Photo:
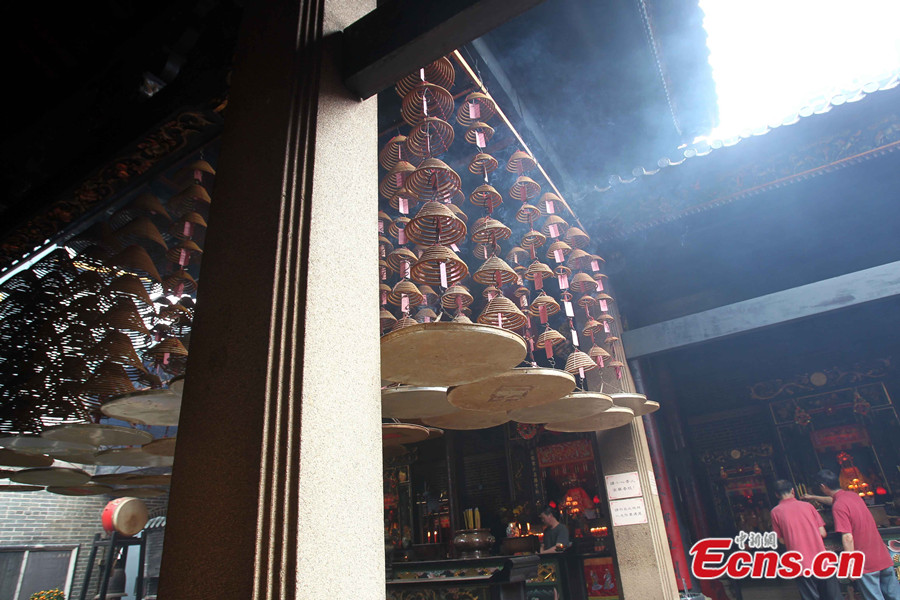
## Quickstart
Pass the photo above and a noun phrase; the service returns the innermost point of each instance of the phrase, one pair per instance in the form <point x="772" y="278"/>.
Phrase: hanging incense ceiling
<point x="527" y="250"/>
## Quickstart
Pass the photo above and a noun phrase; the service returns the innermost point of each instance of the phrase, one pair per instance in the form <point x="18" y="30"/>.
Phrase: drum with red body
<point x="125" y="515"/>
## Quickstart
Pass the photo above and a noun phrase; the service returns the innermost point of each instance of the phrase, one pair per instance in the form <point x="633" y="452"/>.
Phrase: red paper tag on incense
<point x="401" y="235"/>
<point x="618" y="372"/>
<point x="404" y="268"/>
<point x="479" y="139"/>
<point x="198" y="176"/>
<point x="538" y="281"/>
<point x="498" y="277"/>
<point x="542" y="310"/>
<point x="443" y="268"/>
<point x="380" y="226"/>
<point x="188" y="227"/>
<point x="427" y="319"/>
<point x="454" y="247"/>
<point x="523" y="301"/>
<point x="595" y="266"/>
<point x="500" y="320"/>
<point x="605" y="327"/>
<point x="515" y="259"/>
<point x="383" y="297"/>
<point x="550" y="207"/>
<point x="599" y="285"/>
<point x="570" y="312"/>
<point x="548" y="348"/>
<point x="491" y="296"/>
<point x="383" y="273"/>
<point x="179" y="289"/>
<point x="519" y="280"/>
<point x="165" y="358"/>
<point x="581" y="372"/>
<point x="404" y="303"/>
<point x="554" y="230"/>
<point x="403" y="206"/>
<point x="459" y="302"/>
<point x="600" y="361"/>
<point x="398" y="179"/>
<point x="603" y="306"/>
<point x="563" y="281"/>
<point x="381" y="250"/>
<point x="558" y="255"/>
<point x="574" y="338"/>
<point x="474" y="110"/>
<point x="183" y="257"/>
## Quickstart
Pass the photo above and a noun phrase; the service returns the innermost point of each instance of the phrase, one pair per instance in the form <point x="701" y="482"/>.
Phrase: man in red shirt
<point x="800" y="528"/>
<point x="859" y="532"/>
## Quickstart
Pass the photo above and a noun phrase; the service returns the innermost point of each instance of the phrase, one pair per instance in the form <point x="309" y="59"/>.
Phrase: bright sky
<point x="771" y="58"/>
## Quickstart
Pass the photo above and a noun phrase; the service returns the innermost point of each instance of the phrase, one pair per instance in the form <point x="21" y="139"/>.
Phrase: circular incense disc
<point x="113" y="479"/>
<point x="88" y="489"/>
<point x="638" y="403"/>
<point x="137" y="492"/>
<point x="410" y="402"/>
<point x="97" y="434"/>
<point x="33" y="444"/>
<point x="51" y="476"/>
<point x="21" y="488"/>
<point x="11" y="458"/>
<point x="160" y="447"/>
<point x="576" y="405"/>
<point x="81" y="458"/>
<point x="393" y="434"/>
<point x="518" y="388"/>
<point x="468" y="419"/>
<point x="149" y="480"/>
<point x="445" y="354"/>
<point x="132" y="457"/>
<point x="617" y="416"/>
<point x="147" y="407"/>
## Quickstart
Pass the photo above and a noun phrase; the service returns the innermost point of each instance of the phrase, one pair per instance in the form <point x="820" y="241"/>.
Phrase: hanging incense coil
<point x="610" y="340"/>
<point x="587" y="301"/>
<point x="579" y="259"/>
<point x="184" y="253"/>
<point x="193" y="198"/>
<point x="495" y="271"/>
<point x="479" y="133"/>
<point x="187" y="226"/>
<point x="598" y="354"/>
<point x="399" y="256"/>
<point x="440" y="72"/>
<point x="426" y="100"/>
<point x="434" y="180"/>
<point x="524" y="189"/>
<point x="171" y="346"/>
<point x="485" y="196"/>
<point x="109" y="379"/>
<point x="482" y="164"/>
<point x="428" y="268"/>
<point x="425" y="315"/>
<point x="599" y="277"/>
<point x="396" y="178"/>
<point x="458" y="212"/>
<point x="387" y="319"/>
<point x="456" y="297"/>
<point x="522" y="291"/>
<point x="592" y="328"/>
<point x="146" y="204"/>
<point x="551" y="200"/>
<point x="429" y="296"/>
<point x="124" y="316"/>
<point x="490" y="231"/>
<point x="579" y="360"/>
<point x="409" y="290"/>
<point x="562" y="271"/>
<point x="550" y="335"/>
<point x="517" y="255"/>
<point x="195" y="171"/>
<point x="385" y="247"/>
<point x="490" y="292"/>
<point x="520" y="162"/>
<point x="92" y="257"/>
<point x="430" y="137"/>
<point x="533" y="239"/>
<point x="584" y="283"/>
<point x="135" y="258"/>
<point x="577" y="238"/>
<point x="384" y="222"/>
<point x="139" y="230"/>
<point x="606" y="319"/>
<point x="403" y="196"/>
<point x="537" y="268"/>
<point x="404" y="322"/>
<point x="558" y="251"/>
<point x="554" y="223"/>
<point x="435" y="224"/>
<point x="476" y="107"/>
<point x="86" y="283"/>
<point x="501" y="312"/>
<point x="545" y="302"/>
<point x="603" y="297"/>
<point x="392" y="153"/>
<point x="398" y="224"/>
<point x="131" y="287"/>
<point x="527" y="213"/>
<point x="485" y="251"/>
<point x="180" y="282"/>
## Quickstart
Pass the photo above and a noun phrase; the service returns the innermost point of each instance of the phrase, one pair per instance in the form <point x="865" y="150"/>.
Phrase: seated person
<point x="555" y="533"/>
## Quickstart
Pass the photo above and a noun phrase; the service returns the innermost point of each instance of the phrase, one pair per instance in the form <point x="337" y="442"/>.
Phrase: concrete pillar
<point x="642" y="550"/>
<point x="276" y="489"/>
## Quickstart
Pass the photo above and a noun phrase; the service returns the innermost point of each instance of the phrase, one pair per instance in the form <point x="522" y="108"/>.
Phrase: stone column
<point x="276" y="489"/>
<point x="642" y="550"/>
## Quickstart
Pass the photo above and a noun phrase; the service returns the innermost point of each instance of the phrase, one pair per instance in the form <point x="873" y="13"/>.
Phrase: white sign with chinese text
<point x="630" y="511"/>
<point x="623" y="485"/>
